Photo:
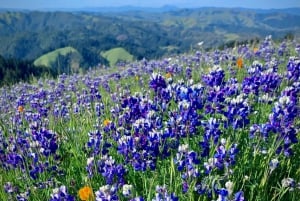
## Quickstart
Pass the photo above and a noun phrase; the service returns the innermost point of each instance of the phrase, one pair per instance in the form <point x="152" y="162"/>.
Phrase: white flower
<point x="127" y="190"/>
<point x="288" y="182"/>
<point x="200" y="43"/>
<point x="90" y="161"/>
<point x="229" y="187"/>
<point x="223" y="141"/>
<point x="183" y="148"/>
<point x="273" y="164"/>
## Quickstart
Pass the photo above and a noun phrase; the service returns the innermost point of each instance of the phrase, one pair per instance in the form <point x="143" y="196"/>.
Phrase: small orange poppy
<point x="86" y="193"/>
<point x="168" y="75"/>
<point x="106" y="122"/>
<point x="20" y="108"/>
<point x="255" y="50"/>
<point x="239" y="62"/>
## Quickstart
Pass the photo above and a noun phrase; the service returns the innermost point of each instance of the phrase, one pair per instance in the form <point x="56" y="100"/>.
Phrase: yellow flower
<point x="86" y="193"/>
<point x="255" y="50"/>
<point x="20" y="108"/>
<point x="239" y="62"/>
<point x="168" y="75"/>
<point x="106" y="122"/>
<point x="137" y="78"/>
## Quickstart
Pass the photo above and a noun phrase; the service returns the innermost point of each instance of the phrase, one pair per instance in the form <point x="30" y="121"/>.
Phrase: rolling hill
<point x="50" y="58"/>
<point x="117" y="54"/>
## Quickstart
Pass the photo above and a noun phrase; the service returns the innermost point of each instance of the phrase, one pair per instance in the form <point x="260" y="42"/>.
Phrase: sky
<point x="41" y="4"/>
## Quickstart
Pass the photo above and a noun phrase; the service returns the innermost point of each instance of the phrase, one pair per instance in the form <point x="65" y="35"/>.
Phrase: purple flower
<point x="9" y="188"/>
<point x="61" y="194"/>
<point x="107" y="193"/>
<point x="212" y="132"/>
<point x="239" y="196"/>
<point x="112" y="172"/>
<point x="222" y="194"/>
<point x="163" y="195"/>
<point x="293" y="70"/>
<point x="215" y="77"/>
<point x="270" y="81"/>
<point x="237" y="113"/>
<point x="137" y="199"/>
<point x="23" y="196"/>
<point x="96" y="144"/>
<point x="157" y="82"/>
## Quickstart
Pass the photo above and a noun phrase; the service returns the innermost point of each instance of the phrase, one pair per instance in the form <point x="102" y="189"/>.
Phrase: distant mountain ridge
<point x="165" y="8"/>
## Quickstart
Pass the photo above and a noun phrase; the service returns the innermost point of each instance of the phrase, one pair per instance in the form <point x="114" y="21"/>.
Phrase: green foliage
<point x="14" y="70"/>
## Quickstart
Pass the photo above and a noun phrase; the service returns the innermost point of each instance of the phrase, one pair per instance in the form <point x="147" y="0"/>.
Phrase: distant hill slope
<point x="117" y="54"/>
<point x="50" y="58"/>
<point x="62" y="60"/>
<point x="29" y="35"/>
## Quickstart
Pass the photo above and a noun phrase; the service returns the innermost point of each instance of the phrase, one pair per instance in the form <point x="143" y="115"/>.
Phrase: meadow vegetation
<point x="205" y="125"/>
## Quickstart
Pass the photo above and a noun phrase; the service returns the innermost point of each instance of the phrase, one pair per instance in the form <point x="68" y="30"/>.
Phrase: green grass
<point x="50" y="58"/>
<point x="117" y="54"/>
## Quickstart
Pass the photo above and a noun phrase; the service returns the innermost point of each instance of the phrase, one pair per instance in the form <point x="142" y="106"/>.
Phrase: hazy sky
<point x="36" y="4"/>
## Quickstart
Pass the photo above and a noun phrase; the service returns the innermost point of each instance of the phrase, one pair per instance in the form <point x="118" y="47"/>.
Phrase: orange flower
<point x="106" y="122"/>
<point x="255" y="50"/>
<point x="20" y="108"/>
<point x="239" y="62"/>
<point x="86" y="193"/>
<point x="168" y="75"/>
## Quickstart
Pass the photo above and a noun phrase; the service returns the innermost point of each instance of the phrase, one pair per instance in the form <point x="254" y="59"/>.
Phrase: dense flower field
<point x="219" y="125"/>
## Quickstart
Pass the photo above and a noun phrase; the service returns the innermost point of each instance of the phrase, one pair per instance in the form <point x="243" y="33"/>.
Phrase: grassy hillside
<point x="117" y="54"/>
<point x="50" y="58"/>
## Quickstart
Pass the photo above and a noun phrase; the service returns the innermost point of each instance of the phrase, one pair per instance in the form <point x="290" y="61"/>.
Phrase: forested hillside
<point x="31" y="35"/>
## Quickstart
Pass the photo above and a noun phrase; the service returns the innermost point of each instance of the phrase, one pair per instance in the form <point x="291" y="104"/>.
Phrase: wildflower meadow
<point x="218" y="125"/>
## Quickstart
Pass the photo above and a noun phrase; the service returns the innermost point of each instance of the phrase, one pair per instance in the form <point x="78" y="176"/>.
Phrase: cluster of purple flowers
<point x="261" y="79"/>
<point x="293" y="70"/>
<point x="281" y="120"/>
<point x="238" y="111"/>
<point x="112" y="172"/>
<point x="216" y="77"/>
<point x="187" y="162"/>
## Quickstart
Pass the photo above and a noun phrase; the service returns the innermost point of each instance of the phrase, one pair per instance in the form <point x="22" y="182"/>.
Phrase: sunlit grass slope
<point x="50" y="58"/>
<point x="117" y="54"/>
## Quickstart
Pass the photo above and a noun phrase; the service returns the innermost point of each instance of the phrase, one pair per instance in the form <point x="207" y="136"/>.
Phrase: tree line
<point x="15" y="70"/>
